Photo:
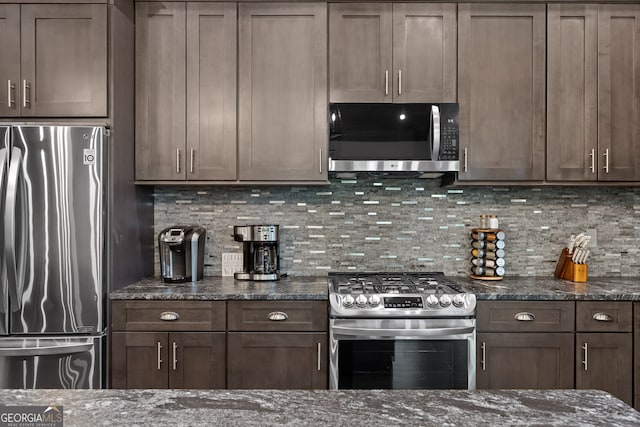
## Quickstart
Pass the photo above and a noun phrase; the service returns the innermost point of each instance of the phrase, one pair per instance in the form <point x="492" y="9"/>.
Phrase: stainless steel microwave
<point x="388" y="137"/>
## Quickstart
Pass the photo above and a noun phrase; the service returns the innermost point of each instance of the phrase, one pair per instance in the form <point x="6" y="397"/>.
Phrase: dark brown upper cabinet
<point x="400" y="52"/>
<point x="501" y="91"/>
<point x="186" y="91"/>
<point x="593" y="130"/>
<point x="54" y="60"/>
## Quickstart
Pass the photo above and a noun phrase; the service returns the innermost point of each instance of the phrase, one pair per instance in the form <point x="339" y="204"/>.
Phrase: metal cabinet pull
<point x="484" y="356"/>
<point x="159" y="356"/>
<point x="386" y="82"/>
<point x="603" y="317"/>
<point x="169" y="316"/>
<point x="585" y="361"/>
<point x="319" y="354"/>
<point x="593" y="160"/>
<point x="606" y="161"/>
<point x="399" y="82"/>
<point x="10" y="100"/>
<point x="466" y="164"/>
<point x="277" y="316"/>
<point x="321" y="160"/>
<point x="191" y="160"/>
<point x="177" y="160"/>
<point x="524" y="317"/>
<point x="175" y="355"/>
<point x="26" y="99"/>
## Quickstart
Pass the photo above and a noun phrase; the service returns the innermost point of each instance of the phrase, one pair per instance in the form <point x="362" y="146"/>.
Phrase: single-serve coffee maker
<point x="181" y="250"/>
<point x="260" y="250"/>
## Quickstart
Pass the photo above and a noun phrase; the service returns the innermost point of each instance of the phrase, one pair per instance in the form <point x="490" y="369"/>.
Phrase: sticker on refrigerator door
<point x="89" y="157"/>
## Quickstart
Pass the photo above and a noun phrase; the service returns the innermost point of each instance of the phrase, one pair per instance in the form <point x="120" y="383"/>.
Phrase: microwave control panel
<point x="449" y="139"/>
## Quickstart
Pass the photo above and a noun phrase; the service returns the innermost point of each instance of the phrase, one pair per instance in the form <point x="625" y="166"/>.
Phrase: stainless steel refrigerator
<point x="53" y="256"/>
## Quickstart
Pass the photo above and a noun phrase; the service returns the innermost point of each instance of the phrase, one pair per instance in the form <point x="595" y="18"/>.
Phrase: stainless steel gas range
<point x="400" y="331"/>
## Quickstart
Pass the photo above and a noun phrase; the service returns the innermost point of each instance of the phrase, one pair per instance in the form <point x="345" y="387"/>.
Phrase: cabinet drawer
<point x="191" y="315"/>
<point x="604" y="316"/>
<point x="293" y="316"/>
<point x="526" y="316"/>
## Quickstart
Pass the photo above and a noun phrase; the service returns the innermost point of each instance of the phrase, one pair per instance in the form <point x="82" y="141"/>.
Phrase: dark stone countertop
<point x="226" y="288"/>
<point x="330" y="407"/>
<point x="315" y="288"/>
<point x="549" y="288"/>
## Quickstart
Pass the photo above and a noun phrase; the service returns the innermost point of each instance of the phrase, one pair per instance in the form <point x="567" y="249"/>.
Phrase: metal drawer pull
<point x="484" y="356"/>
<point x="525" y="317"/>
<point x="159" y="356"/>
<point x="603" y="317"/>
<point x="606" y="161"/>
<point x="386" y="82"/>
<point x="26" y="99"/>
<point x="319" y="354"/>
<point x="169" y="316"/>
<point x="175" y="355"/>
<point x="277" y="316"/>
<point x="585" y="362"/>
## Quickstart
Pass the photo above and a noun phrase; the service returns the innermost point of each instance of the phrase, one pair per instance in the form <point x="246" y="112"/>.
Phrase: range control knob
<point x="347" y="301"/>
<point x="458" y="300"/>
<point x="374" y="300"/>
<point x="432" y="301"/>
<point x="361" y="301"/>
<point x="445" y="300"/>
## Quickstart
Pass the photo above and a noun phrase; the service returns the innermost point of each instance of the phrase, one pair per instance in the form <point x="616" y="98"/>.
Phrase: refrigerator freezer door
<point x="5" y="135"/>
<point x="60" y="257"/>
<point x="56" y="362"/>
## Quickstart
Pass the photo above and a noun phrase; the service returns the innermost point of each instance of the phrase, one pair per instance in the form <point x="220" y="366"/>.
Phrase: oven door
<point x="402" y="354"/>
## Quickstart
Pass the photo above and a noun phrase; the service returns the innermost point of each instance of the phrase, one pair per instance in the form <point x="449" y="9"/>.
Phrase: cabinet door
<point x="211" y="91"/>
<point x="282" y="91"/>
<point x="636" y="354"/>
<point x="525" y="360"/>
<point x="424" y="52"/>
<point x="160" y="91"/>
<point x="197" y="360"/>
<point x="139" y="360"/>
<point x="572" y="90"/>
<point x="277" y="360"/>
<point x="64" y="60"/>
<point x="604" y="362"/>
<point x="501" y="90"/>
<point x="619" y="92"/>
<point x="360" y="43"/>
<point x="10" y="63"/>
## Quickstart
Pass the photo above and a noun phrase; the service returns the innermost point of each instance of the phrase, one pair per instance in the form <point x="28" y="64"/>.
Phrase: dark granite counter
<point x="226" y="288"/>
<point x="330" y="408"/>
<point x="315" y="288"/>
<point x="548" y="288"/>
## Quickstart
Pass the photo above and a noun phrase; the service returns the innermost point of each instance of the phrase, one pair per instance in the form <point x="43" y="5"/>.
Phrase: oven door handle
<point x="380" y="332"/>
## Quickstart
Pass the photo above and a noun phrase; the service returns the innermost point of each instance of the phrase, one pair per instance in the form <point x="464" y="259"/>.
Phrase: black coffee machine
<point x="181" y="249"/>
<point x="261" y="252"/>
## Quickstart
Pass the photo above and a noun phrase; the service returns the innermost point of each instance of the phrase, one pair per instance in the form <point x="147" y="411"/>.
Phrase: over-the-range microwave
<point x="388" y="137"/>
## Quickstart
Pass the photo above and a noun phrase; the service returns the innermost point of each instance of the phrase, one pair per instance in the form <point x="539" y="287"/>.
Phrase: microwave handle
<point x="434" y="134"/>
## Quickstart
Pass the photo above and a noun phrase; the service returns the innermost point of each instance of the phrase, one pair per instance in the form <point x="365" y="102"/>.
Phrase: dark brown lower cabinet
<point x="604" y="362"/>
<point x="277" y="360"/>
<point x="168" y="360"/>
<point x="636" y="354"/>
<point x="535" y="360"/>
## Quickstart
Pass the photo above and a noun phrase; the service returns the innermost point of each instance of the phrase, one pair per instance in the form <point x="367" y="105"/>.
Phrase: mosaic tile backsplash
<point x="410" y="224"/>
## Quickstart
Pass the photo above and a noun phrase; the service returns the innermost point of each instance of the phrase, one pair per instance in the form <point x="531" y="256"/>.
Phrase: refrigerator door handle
<point x="46" y="350"/>
<point x="3" y="280"/>
<point x="15" y="265"/>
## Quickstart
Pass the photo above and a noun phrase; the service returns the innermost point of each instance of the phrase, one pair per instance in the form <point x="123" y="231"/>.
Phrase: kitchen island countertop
<point x="315" y="288"/>
<point x="349" y="407"/>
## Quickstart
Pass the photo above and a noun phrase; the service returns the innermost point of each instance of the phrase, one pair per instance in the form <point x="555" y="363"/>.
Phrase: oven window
<point x="403" y="364"/>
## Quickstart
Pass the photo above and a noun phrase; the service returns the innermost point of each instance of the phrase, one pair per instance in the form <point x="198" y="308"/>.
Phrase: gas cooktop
<point x="420" y="294"/>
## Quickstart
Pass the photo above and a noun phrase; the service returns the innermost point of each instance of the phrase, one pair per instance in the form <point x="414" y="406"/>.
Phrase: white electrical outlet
<point x="231" y="263"/>
<point x="593" y="232"/>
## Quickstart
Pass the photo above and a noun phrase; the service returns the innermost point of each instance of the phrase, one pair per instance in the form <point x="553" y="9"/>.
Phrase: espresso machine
<point x="181" y="250"/>
<point x="261" y="252"/>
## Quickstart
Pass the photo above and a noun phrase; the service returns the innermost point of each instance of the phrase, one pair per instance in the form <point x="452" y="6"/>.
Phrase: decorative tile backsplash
<point x="410" y="224"/>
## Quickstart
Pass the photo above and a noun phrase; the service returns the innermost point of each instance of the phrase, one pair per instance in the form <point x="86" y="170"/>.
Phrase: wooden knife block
<point x="568" y="270"/>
